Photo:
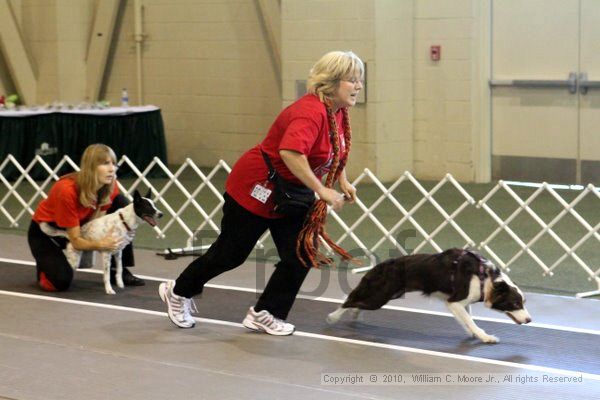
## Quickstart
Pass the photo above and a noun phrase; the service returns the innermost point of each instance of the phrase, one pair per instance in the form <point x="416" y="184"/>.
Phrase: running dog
<point x="460" y="277"/>
<point x="121" y="224"/>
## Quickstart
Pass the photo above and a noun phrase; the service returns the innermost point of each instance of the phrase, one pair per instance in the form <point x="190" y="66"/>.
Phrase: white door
<point x="589" y="122"/>
<point x="542" y="119"/>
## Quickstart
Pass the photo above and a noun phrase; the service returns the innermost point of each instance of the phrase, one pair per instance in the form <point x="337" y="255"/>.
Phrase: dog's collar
<point x="124" y="223"/>
<point x="481" y="271"/>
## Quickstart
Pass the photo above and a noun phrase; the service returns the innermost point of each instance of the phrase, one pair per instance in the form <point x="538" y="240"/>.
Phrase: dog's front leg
<point x="119" y="271"/>
<point x="106" y="269"/>
<point x="357" y="314"/>
<point x="73" y="256"/>
<point x="335" y="316"/>
<point x="464" y="318"/>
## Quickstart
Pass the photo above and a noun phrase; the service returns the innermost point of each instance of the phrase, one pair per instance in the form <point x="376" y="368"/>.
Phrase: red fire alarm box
<point x="435" y="52"/>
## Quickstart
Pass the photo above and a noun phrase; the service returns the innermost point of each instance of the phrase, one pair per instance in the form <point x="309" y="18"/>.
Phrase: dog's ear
<point x="136" y="196"/>
<point x="499" y="290"/>
<point x="148" y="194"/>
<point x="501" y="286"/>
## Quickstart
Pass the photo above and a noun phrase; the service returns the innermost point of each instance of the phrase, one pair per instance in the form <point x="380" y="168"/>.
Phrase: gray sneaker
<point x="265" y="321"/>
<point x="179" y="308"/>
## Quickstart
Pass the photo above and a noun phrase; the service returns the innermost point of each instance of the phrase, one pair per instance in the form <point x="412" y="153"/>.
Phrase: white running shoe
<point x="265" y="321"/>
<point x="179" y="308"/>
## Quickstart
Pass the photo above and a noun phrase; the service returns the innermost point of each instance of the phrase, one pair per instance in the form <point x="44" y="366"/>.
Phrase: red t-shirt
<point x="302" y="127"/>
<point x="63" y="207"/>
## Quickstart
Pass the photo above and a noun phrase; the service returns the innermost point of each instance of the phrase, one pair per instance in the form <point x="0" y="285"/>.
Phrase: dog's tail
<point x="52" y="231"/>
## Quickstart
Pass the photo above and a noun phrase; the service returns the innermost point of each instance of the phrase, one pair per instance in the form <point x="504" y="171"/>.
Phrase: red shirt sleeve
<point x="300" y="136"/>
<point x="66" y="213"/>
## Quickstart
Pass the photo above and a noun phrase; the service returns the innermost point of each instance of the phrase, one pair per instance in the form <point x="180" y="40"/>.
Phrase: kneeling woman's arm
<point x="80" y="243"/>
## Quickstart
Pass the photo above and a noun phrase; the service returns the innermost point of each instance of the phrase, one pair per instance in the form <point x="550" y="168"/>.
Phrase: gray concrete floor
<point x="61" y="350"/>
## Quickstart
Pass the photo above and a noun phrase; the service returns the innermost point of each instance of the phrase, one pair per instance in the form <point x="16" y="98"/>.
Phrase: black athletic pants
<point x="240" y="230"/>
<point x="49" y="256"/>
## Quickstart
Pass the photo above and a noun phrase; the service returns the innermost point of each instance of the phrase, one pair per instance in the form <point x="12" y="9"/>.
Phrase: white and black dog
<point x="121" y="224"/>
<point x="460" y="277"/>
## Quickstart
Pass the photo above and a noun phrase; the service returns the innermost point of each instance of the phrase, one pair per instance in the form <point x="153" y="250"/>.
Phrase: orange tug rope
<point x="307" y="246"/>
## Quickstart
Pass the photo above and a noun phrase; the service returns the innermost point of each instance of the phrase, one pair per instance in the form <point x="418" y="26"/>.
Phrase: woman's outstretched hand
<point x="332" y="197"/>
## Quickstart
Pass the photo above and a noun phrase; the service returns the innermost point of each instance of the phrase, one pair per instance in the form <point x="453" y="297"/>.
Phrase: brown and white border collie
<point x="460" y="277"/>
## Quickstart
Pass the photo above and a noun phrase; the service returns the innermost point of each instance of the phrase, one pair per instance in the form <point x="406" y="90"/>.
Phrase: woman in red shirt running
<point x="307" y="140"/>
<point x="72" y="201"/>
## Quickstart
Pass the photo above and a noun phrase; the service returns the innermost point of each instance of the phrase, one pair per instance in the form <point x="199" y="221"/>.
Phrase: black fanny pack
<point x="289" y="199"/>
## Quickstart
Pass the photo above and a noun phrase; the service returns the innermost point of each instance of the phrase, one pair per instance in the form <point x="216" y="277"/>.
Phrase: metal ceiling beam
<point x="16" y="56"/>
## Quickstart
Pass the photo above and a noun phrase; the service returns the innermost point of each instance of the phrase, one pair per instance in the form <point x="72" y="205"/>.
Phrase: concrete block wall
<point x="207" y="65"/>
<point x="74" y="19"/>
<point x="36" y="21"/>
<point x="309" y="29"/>
<point x="443" y="89"/>
<point x="380" y="32"/>
<point x="390" y="102"/>
<point x="56" y="33"/>
<point x="39" y="30"/>
<point x="7" y="85"/>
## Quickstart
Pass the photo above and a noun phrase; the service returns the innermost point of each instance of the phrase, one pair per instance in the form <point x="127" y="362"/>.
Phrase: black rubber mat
<point x="519" y="344"/>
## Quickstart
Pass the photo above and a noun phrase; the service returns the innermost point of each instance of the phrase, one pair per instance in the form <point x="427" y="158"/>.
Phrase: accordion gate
<point x="206" y="200"/>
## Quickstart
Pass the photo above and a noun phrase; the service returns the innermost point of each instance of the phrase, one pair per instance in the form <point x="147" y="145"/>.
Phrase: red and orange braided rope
<point x="307" y="246"/>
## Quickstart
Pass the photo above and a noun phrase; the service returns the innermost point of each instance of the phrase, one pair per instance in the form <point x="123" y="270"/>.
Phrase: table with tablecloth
<point x="136" y="132"/>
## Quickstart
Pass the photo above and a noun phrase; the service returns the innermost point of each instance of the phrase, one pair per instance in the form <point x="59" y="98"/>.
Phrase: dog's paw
<point x="357" y="315"/>
<point x="485" y="338"/>
<point x="120" y="283"/>
<point x="335" y="316"/>
<point x="110" y="291"/>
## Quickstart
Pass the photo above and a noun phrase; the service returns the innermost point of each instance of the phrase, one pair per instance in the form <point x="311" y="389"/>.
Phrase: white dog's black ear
<point x="148" y="194"/>
<point x="136" y="195"/>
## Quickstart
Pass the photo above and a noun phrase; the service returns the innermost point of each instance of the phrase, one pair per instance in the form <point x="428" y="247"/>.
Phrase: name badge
<point x="261" y="193"/>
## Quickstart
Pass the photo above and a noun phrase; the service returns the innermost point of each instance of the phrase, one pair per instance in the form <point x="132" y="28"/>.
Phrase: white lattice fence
<point x="567" y="208"/>
<point x="442" y="225"/>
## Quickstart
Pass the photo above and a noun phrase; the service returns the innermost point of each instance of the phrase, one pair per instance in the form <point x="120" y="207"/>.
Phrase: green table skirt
<point x="139" y="136"/>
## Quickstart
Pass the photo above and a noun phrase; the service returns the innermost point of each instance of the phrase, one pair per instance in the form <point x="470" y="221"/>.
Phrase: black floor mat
<point x="518" y="344"/>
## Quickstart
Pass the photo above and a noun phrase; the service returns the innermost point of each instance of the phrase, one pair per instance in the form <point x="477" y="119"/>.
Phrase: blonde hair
<point x="87" y="177"/>
<point x="325" y="76"/>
